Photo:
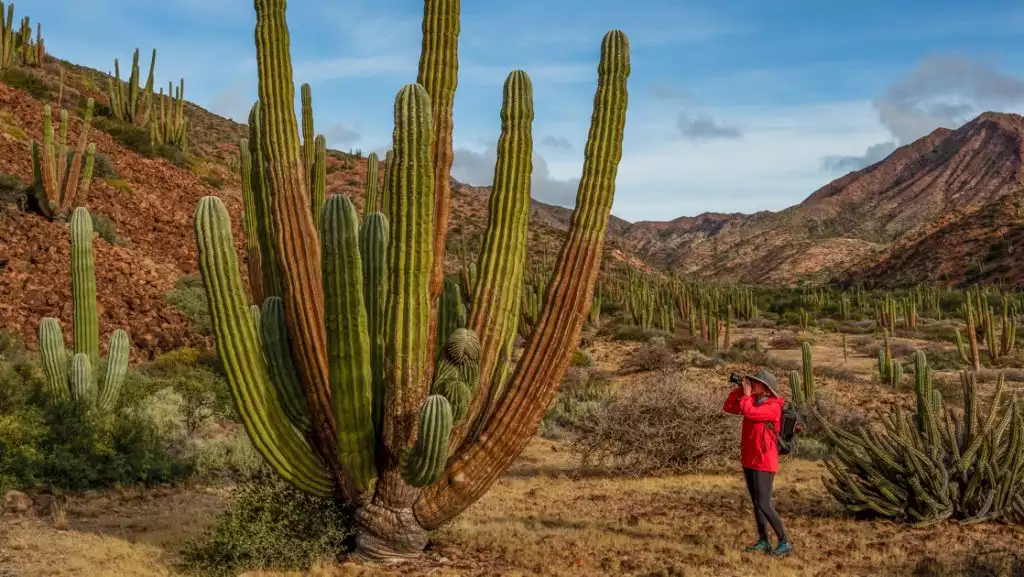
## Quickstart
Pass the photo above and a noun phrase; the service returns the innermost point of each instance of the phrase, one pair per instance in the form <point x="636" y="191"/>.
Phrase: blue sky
<point x="734" y="106"/>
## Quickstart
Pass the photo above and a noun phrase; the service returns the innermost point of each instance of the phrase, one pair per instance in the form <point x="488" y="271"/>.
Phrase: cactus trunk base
<point x="384" y="534"/>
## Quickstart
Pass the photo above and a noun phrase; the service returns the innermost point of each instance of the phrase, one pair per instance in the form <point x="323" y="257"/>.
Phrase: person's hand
<point x="746" y="387"/>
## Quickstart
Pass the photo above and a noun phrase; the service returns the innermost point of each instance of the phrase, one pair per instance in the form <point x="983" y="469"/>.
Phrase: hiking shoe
<point x="783" y="549"/>
<point x="761" y="545"/>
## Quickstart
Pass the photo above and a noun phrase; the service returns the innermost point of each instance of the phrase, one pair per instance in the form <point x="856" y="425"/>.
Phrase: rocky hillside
<point x="866" y="224"/>
<point x="143" y="201"/>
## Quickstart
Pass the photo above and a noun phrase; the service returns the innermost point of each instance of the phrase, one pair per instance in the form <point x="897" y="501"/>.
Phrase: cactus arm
<point x="237" y="346"/>
<point x="117" y="368"/>
<point x="297" y="246"/>
<point x="424" y="462"/>
<point x="538" y="374"/>
<point x="262" y="201"/>
<point x="83" y="287"/>
<point x="319" y="178"/>
<point x="439" y="75"/>
<point x="389" y="167"/>
<point x="54" y="357"/>
<point x="83" y="389"/>
<point x="371" y="185"/>
<point x="373" y="245"/>
<point x="308" y="138"/>
<point x="274" y="338"/>
<point x="70" y="192"/>
<point x="348" y="345"/>
<point x="410" y="255"/>
<point x="495" y="311"/>
<point x="250" y="224"/>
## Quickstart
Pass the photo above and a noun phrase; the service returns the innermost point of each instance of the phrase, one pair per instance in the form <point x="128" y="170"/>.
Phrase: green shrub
<point x="213" y="181"/>
<point x="271" y="525"/>
<point x="580" y="358"/>
<point x="27" y="81"/>
<point x="107" y="229"/>
<point x="188" y="296"/>
<point x="352" y="181"/>
<point x="102" y="168"/>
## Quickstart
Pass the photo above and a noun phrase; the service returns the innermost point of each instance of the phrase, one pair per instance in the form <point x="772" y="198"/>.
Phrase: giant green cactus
<point x="407" y="422"/>
<point x="371" y="186"/>
<point x="80" y="381"/>
<point x="58" y="182"/>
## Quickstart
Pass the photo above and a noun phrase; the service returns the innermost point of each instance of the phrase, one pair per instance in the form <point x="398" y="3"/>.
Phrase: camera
<point x="735" y="379"/>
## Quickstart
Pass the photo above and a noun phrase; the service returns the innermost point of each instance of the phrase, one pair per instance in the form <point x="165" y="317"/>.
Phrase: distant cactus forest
<point x="369" y="381"/>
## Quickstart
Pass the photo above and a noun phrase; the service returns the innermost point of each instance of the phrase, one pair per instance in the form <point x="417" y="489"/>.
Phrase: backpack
<point x="786" y="441"/>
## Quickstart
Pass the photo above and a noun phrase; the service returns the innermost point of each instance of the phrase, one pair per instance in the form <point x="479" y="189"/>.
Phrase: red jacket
<point x="759" y="448"/>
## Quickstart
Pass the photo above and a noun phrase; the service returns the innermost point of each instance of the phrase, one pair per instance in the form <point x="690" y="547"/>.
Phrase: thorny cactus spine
<point x="393" y="520"/>
<point x="80" y="382"/>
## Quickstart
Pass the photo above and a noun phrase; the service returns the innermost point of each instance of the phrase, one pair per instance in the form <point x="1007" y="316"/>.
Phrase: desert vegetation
<point x="346" y="360"/>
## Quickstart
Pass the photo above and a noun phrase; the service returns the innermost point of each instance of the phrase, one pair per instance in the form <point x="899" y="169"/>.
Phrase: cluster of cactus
<point x="890" y="372"/>
<point x="168" y="125"/>
<point x="128" y="102"/>
<point x="934" y="464"/>
<point x="78" y="379"/>
<point x="59" y="180"/>
<point x="999" y="342"/>
<point x="383" y="427"/>
<point x="16" y="44"/>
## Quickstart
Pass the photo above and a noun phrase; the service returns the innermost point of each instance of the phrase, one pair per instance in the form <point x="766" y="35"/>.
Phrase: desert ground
<point x="548" y="516"/>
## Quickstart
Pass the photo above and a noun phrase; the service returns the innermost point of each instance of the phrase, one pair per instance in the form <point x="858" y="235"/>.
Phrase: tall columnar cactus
<point x="448" y="425"/>
<point x="79" y="382"/>
<point x="169" y="126"/>
<point x="60" y="182"/>
<point x="371" y="186"/>
<point x="128" y="101"/>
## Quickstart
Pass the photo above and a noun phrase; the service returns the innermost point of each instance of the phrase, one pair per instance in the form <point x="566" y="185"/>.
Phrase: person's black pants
<point x="759" y="484"/>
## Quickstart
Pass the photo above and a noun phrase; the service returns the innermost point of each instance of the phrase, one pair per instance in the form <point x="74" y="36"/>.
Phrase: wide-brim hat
<point x="770" y="381"/>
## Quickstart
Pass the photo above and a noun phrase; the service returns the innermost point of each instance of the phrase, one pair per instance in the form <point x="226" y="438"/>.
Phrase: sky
<point x="735" y="106"/>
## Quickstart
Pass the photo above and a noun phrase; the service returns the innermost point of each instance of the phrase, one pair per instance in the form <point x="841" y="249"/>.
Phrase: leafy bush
<point x="271" y="525"/>
<point x="172" y="422"/>
<point x="68" y="446"/>
<point x="671" y="424"/>
<point x="190" y="297"/>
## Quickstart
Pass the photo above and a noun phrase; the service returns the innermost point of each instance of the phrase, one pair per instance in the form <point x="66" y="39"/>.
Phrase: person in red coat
<point x="757" y="399"/>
